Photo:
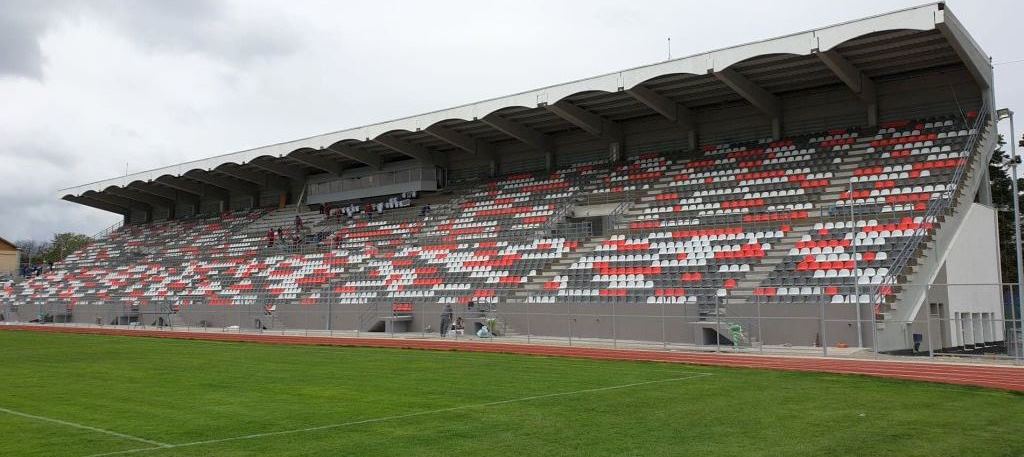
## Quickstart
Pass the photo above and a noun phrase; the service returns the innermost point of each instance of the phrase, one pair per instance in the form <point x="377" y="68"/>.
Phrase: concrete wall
<point x="965" y="283"/>
<point x="394" y="178"/>
<point x="920" y="95"/>
<point x="603" y="209"/>
<point x="775" y="324"/>
<point x="772" y="324"/>
<point x="972" y="269"/>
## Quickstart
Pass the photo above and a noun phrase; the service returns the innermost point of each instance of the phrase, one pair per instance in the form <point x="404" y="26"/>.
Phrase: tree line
<point x="999" y="169"/>
<point x="35" y="252"/>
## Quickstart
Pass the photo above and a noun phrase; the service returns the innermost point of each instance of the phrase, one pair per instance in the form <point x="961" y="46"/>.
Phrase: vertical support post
<point x="614" y="151"/>
<point x="495" y="167"/>
<point x="974" y="336"/>
<point x="928" y="330"/>
<point x="856" y="274"/>
<point x="1019" y="335"/>
<point x="821" y="330"/>
<point x="664" y="335"/>
<point x="1016" y="221"/>
<point x="568" y="319"/>
<point x="529" y="330"/>
<point x="760" y="333"/>
<point x="615" y="336"/>
<point x="872" y="109"/>
<point x="1012" y="337"/>
<point x="875" y="298"/>
<point x="718" y="324"/>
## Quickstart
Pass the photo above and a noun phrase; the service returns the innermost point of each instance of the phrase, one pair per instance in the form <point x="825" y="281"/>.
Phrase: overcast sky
<point x="90" y="87"/>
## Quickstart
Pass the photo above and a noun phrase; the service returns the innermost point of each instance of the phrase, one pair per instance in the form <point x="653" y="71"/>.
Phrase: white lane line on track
<point x="401" y="416"/>
<point x="85" y="427"/>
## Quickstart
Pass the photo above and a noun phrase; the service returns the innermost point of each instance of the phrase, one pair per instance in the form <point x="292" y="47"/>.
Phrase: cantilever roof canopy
<point x="852" y="53"/>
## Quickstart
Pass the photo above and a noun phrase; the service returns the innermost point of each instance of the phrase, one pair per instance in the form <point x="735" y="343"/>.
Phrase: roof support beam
<point x="280" y="169"/>
<point x="522" y="133"/>
<point x="462" y="141"/>
<point x="424" y="155"/>
<point x="466" y="143"/>
<point x="97" y="204"/>
<point x="142" y="198"/>
<point x="978" y="64"/>
<point x="761" y="99"/>
<point x="161" y="191"/>
<point x="529" y="136"/>
<point x="231" y="188"/>
<point x="680" y="115"/>
<point x="318" y="162"/>
<point x="121" y="202"/>
<point x="665" y="106"/>
<point x="242" y="174"/>
<point x="855" y="79"/>
<point x="228" y="184"/>
<point x="257" y="178"/>
<point x="591" y="123"/>
<point x="199" y="190"/>
<point x="370" y="159"/>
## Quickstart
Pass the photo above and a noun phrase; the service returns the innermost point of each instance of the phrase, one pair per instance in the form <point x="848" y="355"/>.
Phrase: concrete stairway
<point x="839" y="183"/>
<point x="744" y="290"/>
<point x="927" y="258"/>
<point x="536" y="283"/>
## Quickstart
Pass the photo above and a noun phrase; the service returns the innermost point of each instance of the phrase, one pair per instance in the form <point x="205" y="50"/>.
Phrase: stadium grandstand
<point x="799" y="191"/>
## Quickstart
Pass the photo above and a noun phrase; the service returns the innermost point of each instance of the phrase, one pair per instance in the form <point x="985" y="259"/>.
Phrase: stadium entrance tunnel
<point x="377" y="327"/>
<point x="391" y="324"/>
<point x="598" y="219"/>
<point x="711" y="337"/>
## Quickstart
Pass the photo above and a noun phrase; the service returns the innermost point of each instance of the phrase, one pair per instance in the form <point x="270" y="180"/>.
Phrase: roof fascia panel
<point x="922" y="17"/>
<point x="978" y="64"/>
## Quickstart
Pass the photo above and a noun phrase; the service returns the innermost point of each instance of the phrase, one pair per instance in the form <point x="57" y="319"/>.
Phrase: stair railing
<point x="935" y="208"/>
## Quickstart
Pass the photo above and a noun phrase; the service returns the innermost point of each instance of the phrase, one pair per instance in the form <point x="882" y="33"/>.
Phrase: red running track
<point x="991" y="376"/>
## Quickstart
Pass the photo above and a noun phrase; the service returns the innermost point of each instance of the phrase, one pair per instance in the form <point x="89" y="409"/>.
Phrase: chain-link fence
<point x="963" y="321"/>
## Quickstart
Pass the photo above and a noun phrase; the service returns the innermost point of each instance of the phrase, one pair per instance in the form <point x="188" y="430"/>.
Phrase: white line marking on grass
<point x="403" y="416"/>
<point x="86" y="427"/>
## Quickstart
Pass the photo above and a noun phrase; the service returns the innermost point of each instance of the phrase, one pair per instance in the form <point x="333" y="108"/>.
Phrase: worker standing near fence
<point x="446" y="320"/>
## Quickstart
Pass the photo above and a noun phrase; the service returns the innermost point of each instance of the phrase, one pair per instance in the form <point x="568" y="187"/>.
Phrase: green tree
<point x="32" y="251"/>
<point x="1002" y="198"/>
<point x="64" y="244"/>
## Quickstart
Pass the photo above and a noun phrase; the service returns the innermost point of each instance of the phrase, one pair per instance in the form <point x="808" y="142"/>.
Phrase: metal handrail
<point x="601" y="198"/>
<point x="935" y="207"/>
<point x="107" y="231"/>
<point x="715" y="221"/>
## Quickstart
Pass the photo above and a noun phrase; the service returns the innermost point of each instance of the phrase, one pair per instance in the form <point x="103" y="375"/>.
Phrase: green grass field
<point x="78" y="395"/>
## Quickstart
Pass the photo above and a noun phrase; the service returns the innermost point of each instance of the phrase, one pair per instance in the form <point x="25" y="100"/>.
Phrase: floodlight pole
<point x="1006" y="113"/>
